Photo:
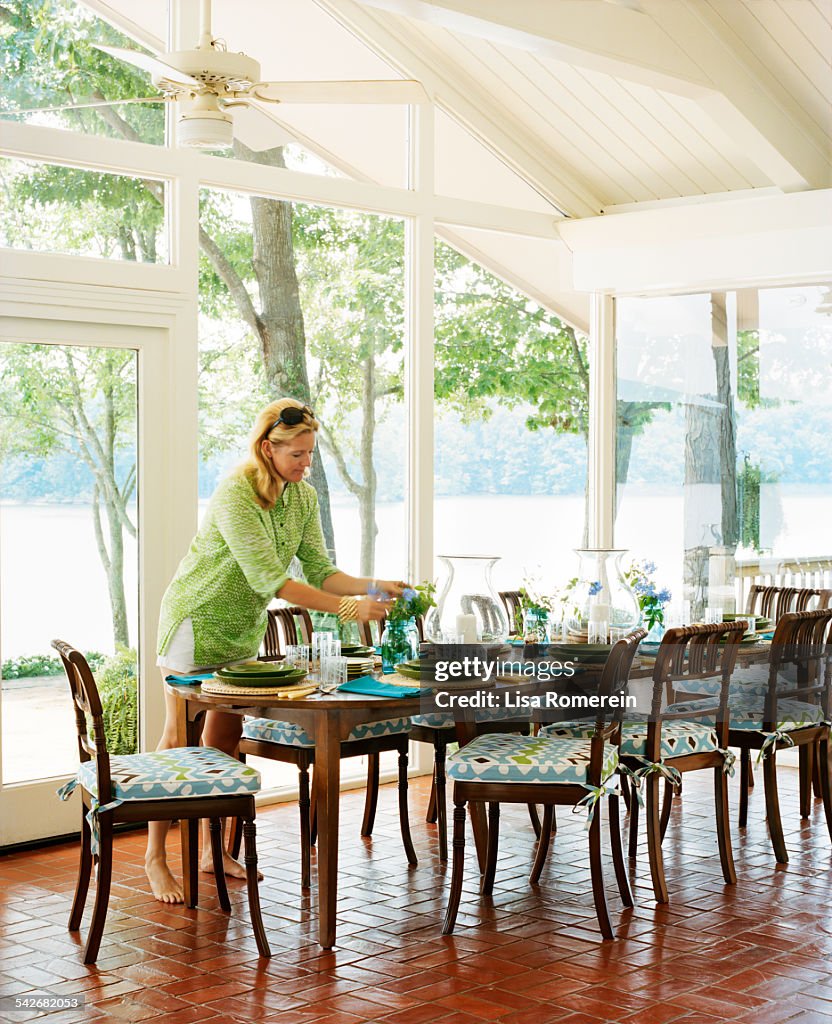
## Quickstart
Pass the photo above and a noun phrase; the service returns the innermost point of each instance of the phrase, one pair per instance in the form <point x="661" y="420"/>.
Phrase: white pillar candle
<point x="599" y="613"/>
<point x="466" y="626"/>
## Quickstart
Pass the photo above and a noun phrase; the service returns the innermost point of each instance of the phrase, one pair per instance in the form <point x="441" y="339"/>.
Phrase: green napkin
<point x="372" y="687"/>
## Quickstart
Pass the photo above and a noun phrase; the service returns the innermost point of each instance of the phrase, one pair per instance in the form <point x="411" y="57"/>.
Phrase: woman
<point x="214" y="611"/>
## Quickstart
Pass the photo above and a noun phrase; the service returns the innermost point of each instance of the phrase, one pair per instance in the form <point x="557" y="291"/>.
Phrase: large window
<point x="68" y="547"/>
<point x="49" y="57"/>
<point x="510" y="434"/>
<point x="723" y="400"/>
<point x="81" y="212"/>
<point x="308" y="301"/>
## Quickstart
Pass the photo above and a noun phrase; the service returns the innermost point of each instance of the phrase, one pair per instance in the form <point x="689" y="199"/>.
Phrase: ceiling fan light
<point x="204" y="126"/>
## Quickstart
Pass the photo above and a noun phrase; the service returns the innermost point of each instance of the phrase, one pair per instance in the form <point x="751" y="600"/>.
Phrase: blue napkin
<point x="372" y="687"/>
<point x="767" y="636"/>
<point x="188" y="680"/>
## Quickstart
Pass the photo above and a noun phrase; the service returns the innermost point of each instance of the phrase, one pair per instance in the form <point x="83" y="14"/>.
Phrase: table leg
<point x="328" y="786"/>
<point x="465" y="732"/>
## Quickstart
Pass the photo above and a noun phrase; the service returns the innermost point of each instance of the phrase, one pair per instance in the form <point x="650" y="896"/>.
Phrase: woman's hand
<point x="393" y="588"/>
<point x="369" y="610"/>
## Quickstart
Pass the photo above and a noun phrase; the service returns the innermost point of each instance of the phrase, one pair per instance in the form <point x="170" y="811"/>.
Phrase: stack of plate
<point x="261" y="673"/>
<point x="361" y="665"/>
<point x="357" y="651"/>
<point x="762" y="625"/>
<point x="581" y="652"/>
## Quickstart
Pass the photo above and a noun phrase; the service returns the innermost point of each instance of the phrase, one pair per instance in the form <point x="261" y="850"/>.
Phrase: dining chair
<point x="291" y="744"/>
<point x="187" y="783"/>
<point x="788" y="713"/>
<point x="500" y="768"/>
<point x="286" y="626"/>
<point x="513" y="604"/>
<point x="439" y="730"/>
<point x="670" y="742"/>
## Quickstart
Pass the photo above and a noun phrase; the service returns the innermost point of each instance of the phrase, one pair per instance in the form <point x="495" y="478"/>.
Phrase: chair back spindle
<point x="87" y="704"/>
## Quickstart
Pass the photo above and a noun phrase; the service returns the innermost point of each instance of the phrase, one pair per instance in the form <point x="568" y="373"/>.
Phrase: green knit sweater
<point x="236" y="564"/>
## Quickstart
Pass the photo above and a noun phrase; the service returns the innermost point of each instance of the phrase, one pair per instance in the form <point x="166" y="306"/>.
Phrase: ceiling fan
<point x="208" y="82"/>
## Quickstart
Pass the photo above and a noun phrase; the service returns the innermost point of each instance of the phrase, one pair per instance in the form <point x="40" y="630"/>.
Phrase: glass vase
<point x="602" y="595"/>
<point x="399" y="642"/>
<point x="468" y="607"/>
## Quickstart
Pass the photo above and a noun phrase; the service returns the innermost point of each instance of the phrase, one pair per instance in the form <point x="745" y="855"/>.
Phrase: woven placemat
<point x="217" y="686"/>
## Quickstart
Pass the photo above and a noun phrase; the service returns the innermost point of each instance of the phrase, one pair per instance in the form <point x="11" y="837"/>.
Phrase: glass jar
<point x="399" y="642"/>
<point x="601" y="595"/>
<point x="535" y="625"/>
<point x="468" y="606"/>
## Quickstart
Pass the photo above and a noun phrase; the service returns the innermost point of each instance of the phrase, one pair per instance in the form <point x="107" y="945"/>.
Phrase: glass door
<point x="69" y="541"/>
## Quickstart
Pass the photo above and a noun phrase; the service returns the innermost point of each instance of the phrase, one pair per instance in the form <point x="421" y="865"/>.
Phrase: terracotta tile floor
<point x="761" y="952"/>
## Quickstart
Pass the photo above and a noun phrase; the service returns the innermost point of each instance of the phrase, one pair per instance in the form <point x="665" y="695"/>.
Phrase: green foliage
<point x="47" y="58"/>
<point x="30" y="666"/>
<point x="414" y="601"/>
<point x="495" y="346"/>
<point x="117" y="685"/>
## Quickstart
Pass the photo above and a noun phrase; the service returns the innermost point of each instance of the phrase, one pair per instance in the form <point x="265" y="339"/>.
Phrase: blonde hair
<point x="260" y="471"/>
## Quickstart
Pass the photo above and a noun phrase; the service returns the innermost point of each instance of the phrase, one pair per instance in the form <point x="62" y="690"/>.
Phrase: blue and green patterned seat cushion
<point x="747" y="713"/>
<point x="445" y="719"/>
<point x="181" y="772"/>
<point x="504" y="757"/>
<point x="289" y="735"/>
<point x="748" y="681"/>
<point x="677" y="738"/>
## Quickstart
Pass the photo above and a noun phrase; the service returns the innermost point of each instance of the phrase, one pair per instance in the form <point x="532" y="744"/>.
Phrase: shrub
<point x="31" y="665"/>
<point x="118" y="688"/>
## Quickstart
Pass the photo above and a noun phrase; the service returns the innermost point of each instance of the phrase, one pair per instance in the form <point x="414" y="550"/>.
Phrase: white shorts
<point x="179" y="656"/>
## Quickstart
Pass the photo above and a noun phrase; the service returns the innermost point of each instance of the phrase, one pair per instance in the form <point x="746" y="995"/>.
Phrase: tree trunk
<point x="281" y="327"/>
<point x="710" y="471"/>
<point x="367" y="497"/>
<point x="115" y="578"/>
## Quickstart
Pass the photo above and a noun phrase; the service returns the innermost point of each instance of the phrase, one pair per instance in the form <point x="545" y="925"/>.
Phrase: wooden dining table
<point x="329" y="719"/>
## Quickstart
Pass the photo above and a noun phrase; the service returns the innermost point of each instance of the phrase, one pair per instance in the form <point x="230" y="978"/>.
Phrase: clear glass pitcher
<point x="468" y="608"/>
<point x="601" y="597"/>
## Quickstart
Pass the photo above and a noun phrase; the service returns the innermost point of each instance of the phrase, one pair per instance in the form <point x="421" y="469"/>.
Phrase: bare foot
<point x="233" y="868"/>
<point x="165" y="887"/>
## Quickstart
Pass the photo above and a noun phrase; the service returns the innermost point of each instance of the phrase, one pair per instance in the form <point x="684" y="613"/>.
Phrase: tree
<point x="81" y="401"/>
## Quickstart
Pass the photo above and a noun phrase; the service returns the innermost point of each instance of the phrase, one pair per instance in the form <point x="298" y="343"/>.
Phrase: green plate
<point x="270" y="672"/>
<point x="356" y="650"/>
<point x="258" y="668"/>
<point x="760" y="622"/>
<point x="290" y="678"/>
<point x="580" y="652"/>
<point x="412" y="670"/>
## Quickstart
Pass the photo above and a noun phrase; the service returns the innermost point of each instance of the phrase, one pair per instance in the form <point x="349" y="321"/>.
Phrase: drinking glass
<point x="325" y="645"/>
<point x="297" y="655"/>
<point x="713" y="614"/>
<point x="618" y="633"/>
<point x="597" y="632"/>
<point x="333" y="672"/>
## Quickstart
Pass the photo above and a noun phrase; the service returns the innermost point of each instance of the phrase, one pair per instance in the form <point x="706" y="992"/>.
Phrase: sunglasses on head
<point x="292" y="416"/>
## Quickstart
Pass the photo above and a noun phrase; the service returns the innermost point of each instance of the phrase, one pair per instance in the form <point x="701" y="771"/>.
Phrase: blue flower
<point x="664" y="596"/>
<point x="648" y="568"/>
<point x="408" y="593"/>
<point x="594" y="588"/>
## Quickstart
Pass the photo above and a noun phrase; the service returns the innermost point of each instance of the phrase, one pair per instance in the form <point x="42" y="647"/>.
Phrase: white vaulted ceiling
<point x="574" y="107"/>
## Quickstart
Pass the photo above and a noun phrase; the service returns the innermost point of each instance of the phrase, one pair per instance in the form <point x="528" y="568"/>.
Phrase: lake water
<point x="52" y="583"/>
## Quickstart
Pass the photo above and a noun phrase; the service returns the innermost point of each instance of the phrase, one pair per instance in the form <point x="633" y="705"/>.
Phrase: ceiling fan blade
<point x="393" y="91"/>
<point x="83" y="106"/>
<point x="155" y="67"/>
